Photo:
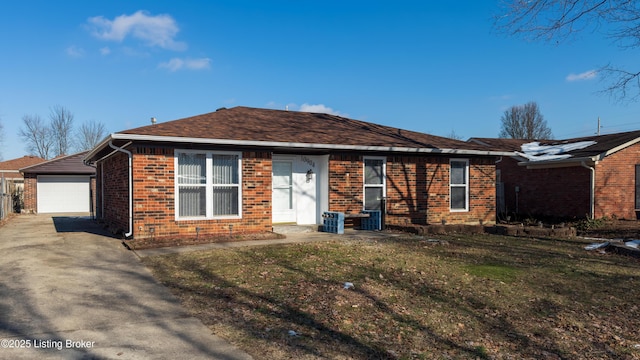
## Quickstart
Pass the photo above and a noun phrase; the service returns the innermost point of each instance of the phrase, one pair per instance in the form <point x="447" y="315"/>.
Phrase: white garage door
<point x="63" y="193"/>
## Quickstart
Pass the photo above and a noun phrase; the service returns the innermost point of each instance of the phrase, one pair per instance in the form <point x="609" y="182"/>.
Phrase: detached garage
<point x="62" y="185"/>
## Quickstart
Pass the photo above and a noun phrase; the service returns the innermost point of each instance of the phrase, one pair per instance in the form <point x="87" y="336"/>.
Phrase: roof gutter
<point x="558" y="163"/>
<point x="104" y="143"/>
<point x="120" y="149"/>
<point x="191" y="140"/>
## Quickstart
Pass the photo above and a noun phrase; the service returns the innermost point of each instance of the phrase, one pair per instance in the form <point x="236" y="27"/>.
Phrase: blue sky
<point x="429" y="66"/>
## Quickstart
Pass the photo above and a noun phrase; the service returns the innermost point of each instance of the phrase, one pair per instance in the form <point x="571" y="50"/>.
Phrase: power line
<point x="602" y="129"/>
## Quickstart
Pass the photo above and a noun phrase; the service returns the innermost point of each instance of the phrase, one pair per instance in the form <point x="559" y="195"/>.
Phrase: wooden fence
<point x="9" y="197"/>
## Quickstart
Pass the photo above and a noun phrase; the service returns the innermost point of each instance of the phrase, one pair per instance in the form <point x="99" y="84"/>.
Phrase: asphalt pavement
<point x="70" y="291"/>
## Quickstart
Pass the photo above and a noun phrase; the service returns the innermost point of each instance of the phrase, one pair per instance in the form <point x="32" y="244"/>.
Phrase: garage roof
<point x="70" y="164"/>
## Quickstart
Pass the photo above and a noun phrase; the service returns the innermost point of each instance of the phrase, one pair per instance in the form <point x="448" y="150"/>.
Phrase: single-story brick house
<point x="587" y="177"/>
<point x="10" y="169"/>
<point x="241" y="170"/>
<point x="12" y="183"/>
<point x="64" y="184"/>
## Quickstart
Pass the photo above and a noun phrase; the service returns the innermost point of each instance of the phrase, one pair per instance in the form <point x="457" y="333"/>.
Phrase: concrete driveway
<point x="69" y="291"/>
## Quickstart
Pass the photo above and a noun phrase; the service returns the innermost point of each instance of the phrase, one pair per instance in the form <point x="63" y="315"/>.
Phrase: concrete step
<point x="293" y="228"/>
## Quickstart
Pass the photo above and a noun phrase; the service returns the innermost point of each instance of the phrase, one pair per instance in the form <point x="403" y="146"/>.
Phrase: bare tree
<point x="556" y="21"/>
<point x="453" y="135"/>
<point x="36" y="136"/>
<point x="61" y="129"/>
<point x="89" y="135"/>
<point x="524" y="122"/>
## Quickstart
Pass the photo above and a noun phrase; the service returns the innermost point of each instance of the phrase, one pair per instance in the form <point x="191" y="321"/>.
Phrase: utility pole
<point x="598" y="132"/>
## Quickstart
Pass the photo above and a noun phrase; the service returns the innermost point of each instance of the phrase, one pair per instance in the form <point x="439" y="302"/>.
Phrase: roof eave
<point x="547" y="164"/>
<point x="618" y="148"/>
<point x="104" y="143"/>
<point x="178" y="139"/>
<point x="22" y="169"/>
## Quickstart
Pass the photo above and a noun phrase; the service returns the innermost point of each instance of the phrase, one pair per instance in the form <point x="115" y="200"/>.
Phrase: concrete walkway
<point x="292" y="236"/>
<point x="69" y="291"/>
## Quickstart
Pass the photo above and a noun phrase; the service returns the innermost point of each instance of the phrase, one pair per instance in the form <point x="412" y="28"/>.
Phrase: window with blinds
<point x="226" y="187"/>
<point x="207" y="184"/>
<point x="459" y="185"/>
<point x="192" y="185"/>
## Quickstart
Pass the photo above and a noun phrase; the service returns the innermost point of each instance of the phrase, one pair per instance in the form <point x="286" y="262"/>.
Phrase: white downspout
<point x="592" y="191"/>
<point x="102" y="190"/>
<point x="130" y="186"/>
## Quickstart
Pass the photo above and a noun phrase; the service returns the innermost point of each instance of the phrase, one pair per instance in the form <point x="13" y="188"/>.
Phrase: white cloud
<point x="176" y="64"/>
<point x="158" y="30"/>
<point x="74" y="51"/>
<point x="320" y="108"/>
<point x="105" y="50"/>
<point x="587" y="75"/>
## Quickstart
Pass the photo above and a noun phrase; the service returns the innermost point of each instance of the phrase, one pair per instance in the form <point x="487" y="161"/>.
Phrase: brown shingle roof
<point x="70" y="164"/>
<point x="603" y="143"/>
<point x="19" y="163"/>
<point x="501" y="144"/>
<point x="9" y="168"/>
<point x="265" y="125"/>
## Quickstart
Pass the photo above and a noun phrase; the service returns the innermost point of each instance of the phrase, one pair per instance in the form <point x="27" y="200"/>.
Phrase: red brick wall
<point x="407" y="190"/>
<point x="565" y="192"/>
<point x="346" y="183"/>
<point x="417" y="189"/>
<point x="154" y="196"/>
<point x="92" y="184"/>
<point x="482" y="192"/>
<point x="417" y="192"/>
<point x="153" y="192"/>
<point x="30" y="193"/>
<point x="113" y="197"/>
<point x="615" y="184"/>
<point x="555" y="192"/>
<point x="482" y="197"/>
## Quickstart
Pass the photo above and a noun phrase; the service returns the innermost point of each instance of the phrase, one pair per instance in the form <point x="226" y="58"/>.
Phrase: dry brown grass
<point x="485" y="297"/>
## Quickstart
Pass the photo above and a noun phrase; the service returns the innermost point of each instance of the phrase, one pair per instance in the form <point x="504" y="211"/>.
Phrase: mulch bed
<point x="614" y="229"/>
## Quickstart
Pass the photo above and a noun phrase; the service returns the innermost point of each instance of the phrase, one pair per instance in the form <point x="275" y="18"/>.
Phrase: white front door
<point x="282" y="198"/>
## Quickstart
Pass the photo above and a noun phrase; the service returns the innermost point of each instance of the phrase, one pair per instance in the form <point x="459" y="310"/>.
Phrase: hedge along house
<point x="241" y="170"/>
<point x="591" y="177"/>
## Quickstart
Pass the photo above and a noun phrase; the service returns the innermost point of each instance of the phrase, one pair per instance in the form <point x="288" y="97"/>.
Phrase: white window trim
<point x="208" y="185"/>
<point x="384" y="177"/>
<point x="466" y="185"/>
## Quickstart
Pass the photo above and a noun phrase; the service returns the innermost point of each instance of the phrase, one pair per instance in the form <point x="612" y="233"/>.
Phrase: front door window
<point x="283" y="200"/>
<point x="373" y="183"/>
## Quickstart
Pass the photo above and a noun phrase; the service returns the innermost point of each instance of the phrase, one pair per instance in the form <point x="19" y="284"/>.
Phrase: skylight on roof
<point x="533" y="151"/>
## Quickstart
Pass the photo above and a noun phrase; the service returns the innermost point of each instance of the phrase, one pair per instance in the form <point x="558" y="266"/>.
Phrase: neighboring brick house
<point x="241" y="170"/>
<point x="12" y="183"/>
<point x="588" y="177"/>
<point x="10" y="169"/>
<point x="61" y="185"/>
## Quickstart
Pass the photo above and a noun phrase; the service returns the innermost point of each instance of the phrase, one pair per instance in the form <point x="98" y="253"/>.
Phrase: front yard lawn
<point x="460" y="297"/>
